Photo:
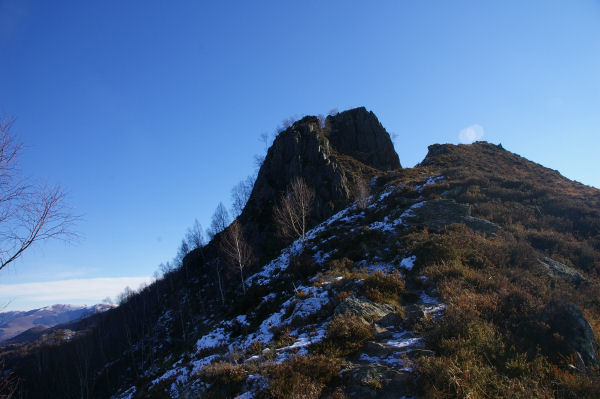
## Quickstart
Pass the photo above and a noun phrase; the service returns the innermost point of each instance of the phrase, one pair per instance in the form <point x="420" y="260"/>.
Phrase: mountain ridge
<point x="475" y="273"/>
<point x="14" y="323"/>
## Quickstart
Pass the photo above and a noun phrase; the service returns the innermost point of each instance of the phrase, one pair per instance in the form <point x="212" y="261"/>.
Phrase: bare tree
<point x="219" y="221"/>
<point x="216" y="264"/>
<point x="194" y="236"/>
<point x="240" y="194"/>
<point x="292" y="213"/>
<point x="28" y="212"/>
<point x="362" y="193"/>
<point x="236" y="249"/>
<point x="166" y="267"/>
<point x="181" y="253"/>
<point x="264" y="138"/>
<point x="286" y="123"/>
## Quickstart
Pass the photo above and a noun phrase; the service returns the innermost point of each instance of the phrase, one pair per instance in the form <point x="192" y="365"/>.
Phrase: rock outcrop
<point x="329" y="157"/>
<point x="359" y="134"/>
<point x="568" y="332"/>
<point x="557" y="269"/>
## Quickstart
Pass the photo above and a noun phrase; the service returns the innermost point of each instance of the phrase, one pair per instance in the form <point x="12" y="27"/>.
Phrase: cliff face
<point x="329" y="158"/>
<point x="358" y="133"/>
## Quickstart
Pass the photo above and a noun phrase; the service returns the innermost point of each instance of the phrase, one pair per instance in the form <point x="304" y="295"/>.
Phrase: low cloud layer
<point x="87" y="291"/>
<point x="470" y="134"/>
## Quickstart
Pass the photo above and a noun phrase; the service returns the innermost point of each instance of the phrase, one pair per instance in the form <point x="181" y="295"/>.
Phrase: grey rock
<point x="567" y="321"/>
<point x="557" y="269"/>
<point x="377" y="381"/>
<point x="364" y="308"/>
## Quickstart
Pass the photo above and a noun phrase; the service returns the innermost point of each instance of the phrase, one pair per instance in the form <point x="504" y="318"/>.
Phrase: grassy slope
<point x="491" y="342"/>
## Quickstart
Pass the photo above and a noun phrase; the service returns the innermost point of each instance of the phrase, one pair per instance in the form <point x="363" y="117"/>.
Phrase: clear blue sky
<point x="148" y="112"/>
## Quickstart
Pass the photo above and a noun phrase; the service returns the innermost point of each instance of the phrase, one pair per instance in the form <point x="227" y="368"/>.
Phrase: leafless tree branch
<point x="29" y="213"/>
<point x="236" y="249"/>
<point x="292" y="214"/>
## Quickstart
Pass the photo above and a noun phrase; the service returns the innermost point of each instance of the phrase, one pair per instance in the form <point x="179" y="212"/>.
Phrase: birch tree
<point x="236" y="249"/>
<point x="292" y="214"/>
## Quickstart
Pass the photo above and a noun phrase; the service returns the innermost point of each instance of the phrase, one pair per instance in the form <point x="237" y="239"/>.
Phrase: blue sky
<point x="147" y="113"/>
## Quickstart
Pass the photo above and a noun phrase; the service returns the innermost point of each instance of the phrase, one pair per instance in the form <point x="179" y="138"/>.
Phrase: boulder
<point x="364" y="308"/>
<point x="568" y="332"/>
<point x="557" y="269"/>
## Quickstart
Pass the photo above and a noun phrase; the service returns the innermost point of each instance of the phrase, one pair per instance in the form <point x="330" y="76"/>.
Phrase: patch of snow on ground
<point x="198" y="365"/>
<point x="273" y="268"/>
<point x="432" y="305"/>
<point x="430" y="180"/>
<point x="305" y="307"/>
<point x="410" y="211"/>
<point x="217" y="337"/>
<point x="408" y="263"/>
<point x="269" y="297"/>
<point x="385" y="225"/>
<point x="256" y="382"/>
<point x="308" y="338"/>
<point x="379" y="267"/>
<point x="128" y="394"/>
<point x="241" y="319"/>
<point x="303" y="340"/>
<point x="168" y="374"/>
<point x="263" y="333"/>
<point x="404" y="340"/>
<point x="246" y="395"/>
<point x="302" y="309"/>
<point x="390" y="360"/>
<point x="321" y="257"/>
<point x="383" y="196"/>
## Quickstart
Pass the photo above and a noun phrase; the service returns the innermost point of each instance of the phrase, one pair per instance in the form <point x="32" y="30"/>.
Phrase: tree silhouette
<point x="28" y="212"/>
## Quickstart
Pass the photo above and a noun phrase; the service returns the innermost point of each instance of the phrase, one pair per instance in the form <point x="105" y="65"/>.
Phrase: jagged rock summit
<point x="330" y="155"/>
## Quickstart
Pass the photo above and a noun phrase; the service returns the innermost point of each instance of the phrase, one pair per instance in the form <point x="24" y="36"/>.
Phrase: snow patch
<point x="408" y="263"/>
<point x="404" y="340"/>
<point x="128" y="394"/>
<point x="410" y="211"/>
<point x="430" y="180"/>
<point x="213" y="339"/>
<point x="198" y="365"/>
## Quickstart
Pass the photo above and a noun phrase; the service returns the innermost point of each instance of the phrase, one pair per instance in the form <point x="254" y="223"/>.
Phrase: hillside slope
<point x="474" y="274"/>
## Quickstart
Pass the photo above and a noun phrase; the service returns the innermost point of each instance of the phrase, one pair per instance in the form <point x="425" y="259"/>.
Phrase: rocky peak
<point x="329" y="158"/>
<point x="359" y="134"/>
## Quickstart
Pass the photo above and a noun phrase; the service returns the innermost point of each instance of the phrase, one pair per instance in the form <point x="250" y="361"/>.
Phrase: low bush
<point x="301" y="377"/>
<point x="383" y="287"/>
<point x="346" y="334"/>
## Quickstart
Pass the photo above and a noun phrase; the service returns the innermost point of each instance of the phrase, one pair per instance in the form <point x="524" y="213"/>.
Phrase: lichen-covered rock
<point x="364" y="308"/>
<point x="557" y="269"/>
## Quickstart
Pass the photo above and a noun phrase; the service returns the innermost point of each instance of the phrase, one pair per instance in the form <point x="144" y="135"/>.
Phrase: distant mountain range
<point x="17" y="322"/>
